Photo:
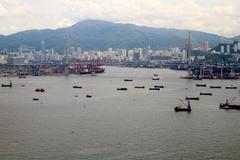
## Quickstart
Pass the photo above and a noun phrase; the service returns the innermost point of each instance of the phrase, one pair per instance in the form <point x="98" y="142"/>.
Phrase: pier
<point x="40" y="69"/>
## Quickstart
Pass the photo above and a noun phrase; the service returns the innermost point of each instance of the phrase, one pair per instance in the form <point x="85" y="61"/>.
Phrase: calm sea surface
<point x="137" y="124"/>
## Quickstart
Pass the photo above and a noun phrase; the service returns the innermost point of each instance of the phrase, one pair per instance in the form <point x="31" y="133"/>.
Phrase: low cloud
<point x="3" y="11"/>
<point x="64" y="23"/>
<point x="220" y="17"/>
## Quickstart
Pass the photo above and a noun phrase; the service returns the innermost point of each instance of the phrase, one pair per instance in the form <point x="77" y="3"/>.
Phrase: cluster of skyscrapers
<point x="26" y="54"/>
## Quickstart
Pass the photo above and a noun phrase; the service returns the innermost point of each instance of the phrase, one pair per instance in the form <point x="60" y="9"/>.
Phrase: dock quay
<point x="50" y="69"/>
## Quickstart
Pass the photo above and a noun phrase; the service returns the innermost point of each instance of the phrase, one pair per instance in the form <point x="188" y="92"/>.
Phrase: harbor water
<point x="137" y="124"/>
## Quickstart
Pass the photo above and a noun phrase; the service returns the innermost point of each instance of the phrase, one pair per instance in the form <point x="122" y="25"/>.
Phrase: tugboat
<point x="181" y="109"/>
<point x="228" y="105"/>
<point x="7" y="85"/>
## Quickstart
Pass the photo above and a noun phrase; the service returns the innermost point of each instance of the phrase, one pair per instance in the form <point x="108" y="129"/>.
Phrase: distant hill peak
<point x="100" y="35"/>
<point x="91" y="22"/>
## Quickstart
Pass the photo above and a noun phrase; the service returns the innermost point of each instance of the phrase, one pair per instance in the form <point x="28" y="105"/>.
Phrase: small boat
<point x="158" y="86"/>
<point x="122" y="89"/>
<point x="197" y="78"/>
<point x="21" y="77"/>
<point x="181" y="109"/>
<point x="201" y="85"/>
<point x="93" y="75"/>
<point x="7" y="85"/>
<point x="4" y="75"/>
<point x="88" y="96"/>
<point x="229" y="106"/>
<point x="39" y="90"/>
<point x="140" y="87"/>
<point x="156" y="89"/>
<point x="155" y="79"/>
<point x="35" y="99"/>
<point x="128" y="80"/>
<point x="187" y="77"/>
<point x="155" y="75"/>
<point x="231" y="87"/>
<point x="206" y="94"/>
<point x="192" y="98"/>
<point x="218" y="87"/>
<point x="77" y="87"/>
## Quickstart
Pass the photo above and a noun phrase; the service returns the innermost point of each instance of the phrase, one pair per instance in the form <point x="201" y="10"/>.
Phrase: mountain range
<point x="237" y="38"/>
<point x="101" y="35"/>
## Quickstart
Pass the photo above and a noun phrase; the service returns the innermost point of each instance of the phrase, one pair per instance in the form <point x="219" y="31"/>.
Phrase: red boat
<point x="39" y="90"/>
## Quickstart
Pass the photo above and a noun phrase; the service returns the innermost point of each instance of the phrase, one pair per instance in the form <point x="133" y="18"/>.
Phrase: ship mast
<point x="189" y="47"/>
<point x="67" y="54"/>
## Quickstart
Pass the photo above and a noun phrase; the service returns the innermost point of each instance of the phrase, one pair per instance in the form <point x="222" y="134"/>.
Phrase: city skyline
<point x="219" y="17"/>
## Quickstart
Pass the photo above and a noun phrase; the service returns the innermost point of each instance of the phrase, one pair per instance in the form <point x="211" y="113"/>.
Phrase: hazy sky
<point x="215" y="16"/>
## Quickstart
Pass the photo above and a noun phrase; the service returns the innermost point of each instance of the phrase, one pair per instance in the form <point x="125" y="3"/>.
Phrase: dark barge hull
<point x="229" y="106"/>
<point x="6" y="85"/>
<point x="217" y="87"/>
<point x="192" y="98"/>
<point x="201" y="85"/>
<point x="177" y="109"/>
<point x="206" y="94"/>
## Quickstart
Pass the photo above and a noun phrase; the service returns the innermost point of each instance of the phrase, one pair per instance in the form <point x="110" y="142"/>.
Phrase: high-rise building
<point x="79" y="50"/>
<point x="205" y="46"/>
<point x="110" y="53"/>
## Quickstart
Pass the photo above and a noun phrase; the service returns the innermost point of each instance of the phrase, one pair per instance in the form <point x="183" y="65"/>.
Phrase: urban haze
<point x="114" y="80"/>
